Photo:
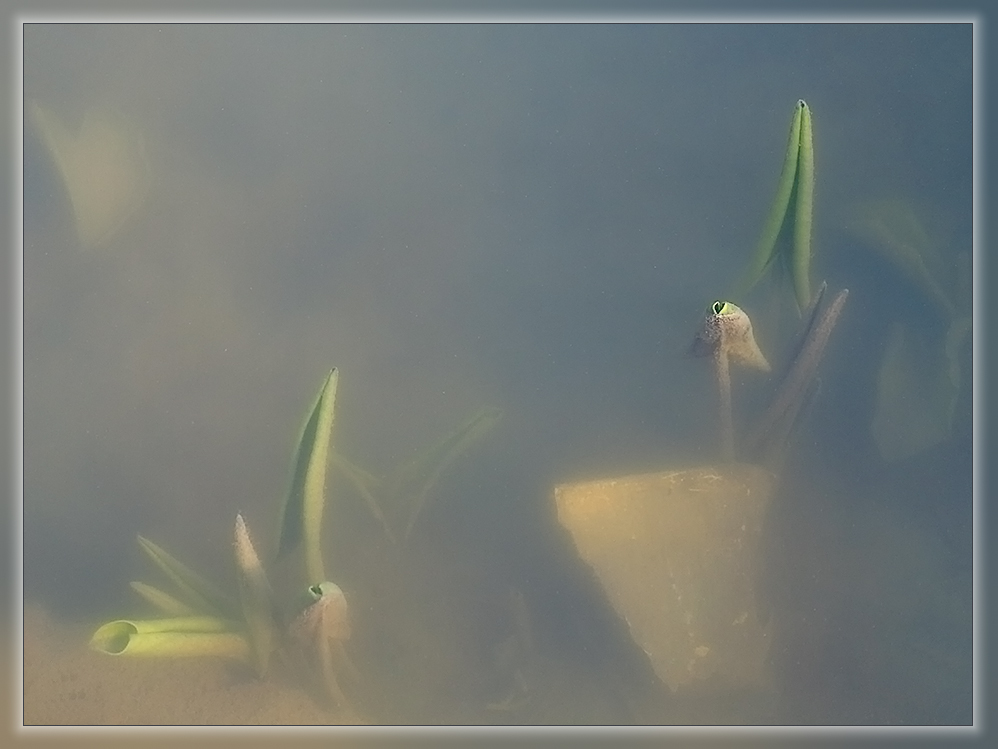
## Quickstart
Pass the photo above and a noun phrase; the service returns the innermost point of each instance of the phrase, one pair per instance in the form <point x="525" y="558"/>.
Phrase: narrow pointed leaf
<point x="314" y="499"/>
<point x="764" y="250"/>
<point x="162" y="600"/>
<point x="195" y="591"/>
<point x="893" y="228"/>
<point x="365" y="484"/>
<point x="418" y="478"/>
<point x="301" y="518"/>
<point x="255" y="597"/>
<point x="292" y="511"/>
<point x="804" y="208"/>
<point x="794" y="386"/>
<point x="367" y="478"/>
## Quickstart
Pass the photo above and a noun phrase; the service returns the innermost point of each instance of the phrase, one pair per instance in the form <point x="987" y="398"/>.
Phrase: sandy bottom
<point x="66" y="684"/>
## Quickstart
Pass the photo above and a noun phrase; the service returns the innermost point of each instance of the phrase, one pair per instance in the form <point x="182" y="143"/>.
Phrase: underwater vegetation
<point x="920" y="375"/>
<point x="404" y="492"/>
<point x="103" y="165"/>
<point x="796" y="186"/>
<point x="676" y="551"/>
<point x="909" y="623"/>
<point x="768" y="437"/>
<point x="726" y="334"/>
<point x="316" y="633"/>
<point x="307" y="629"/>
<point x="204" y="621"/>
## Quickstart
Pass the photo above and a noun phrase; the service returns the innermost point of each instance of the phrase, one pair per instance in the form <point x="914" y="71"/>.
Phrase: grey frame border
<point x="517" y="13"/>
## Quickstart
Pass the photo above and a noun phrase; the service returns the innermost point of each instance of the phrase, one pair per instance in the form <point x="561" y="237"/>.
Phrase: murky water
<point x="530" y="218"/>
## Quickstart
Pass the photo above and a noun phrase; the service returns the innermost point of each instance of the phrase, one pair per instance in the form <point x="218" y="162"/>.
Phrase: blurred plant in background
<point x="920" y="375"/>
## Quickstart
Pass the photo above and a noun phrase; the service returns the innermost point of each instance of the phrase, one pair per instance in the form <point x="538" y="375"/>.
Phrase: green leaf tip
<point x="803" y="211"/>
<point x="765" y="249"/>
<point x="796" y="184"/>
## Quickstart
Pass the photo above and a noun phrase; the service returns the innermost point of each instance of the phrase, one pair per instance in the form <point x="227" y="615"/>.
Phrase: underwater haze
<point x="525" y="217"/>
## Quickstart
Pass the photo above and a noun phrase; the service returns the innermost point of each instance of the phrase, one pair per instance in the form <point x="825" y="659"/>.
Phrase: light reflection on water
<point x="531" y="218"/>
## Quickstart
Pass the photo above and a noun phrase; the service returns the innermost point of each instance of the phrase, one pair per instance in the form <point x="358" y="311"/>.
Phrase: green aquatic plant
<point x="173" y="637"/>
<point x="197" y="593"/>
<point x="768" y="437"/>
<point x="726" y="336"/>
<point x="726" y="333"/>
<point x="103" y="166"/>
<point x="406" y="490"/>
<point x="894" y="229"/>
<point x="796" y="185"/>
<point x="920" y="375"/>
<point x="301" y="515"/>
<point x="201" y="620"/>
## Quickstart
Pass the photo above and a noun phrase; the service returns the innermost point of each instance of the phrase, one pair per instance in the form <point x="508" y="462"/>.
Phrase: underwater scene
<point x="498" y="374"/>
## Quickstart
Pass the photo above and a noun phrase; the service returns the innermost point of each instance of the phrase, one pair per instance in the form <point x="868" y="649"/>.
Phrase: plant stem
<point x="724" y="399"/>
<point x="787" y="401"/>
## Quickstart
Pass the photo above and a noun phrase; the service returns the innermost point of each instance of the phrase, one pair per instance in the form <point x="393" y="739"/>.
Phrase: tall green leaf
<point x="301" y="516"/>
<point x="804" y="208"/>
<point x="766" y="245"/>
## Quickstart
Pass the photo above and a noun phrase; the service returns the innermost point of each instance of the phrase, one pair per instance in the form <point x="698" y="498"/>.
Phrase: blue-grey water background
<point x="530" y="217"/>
